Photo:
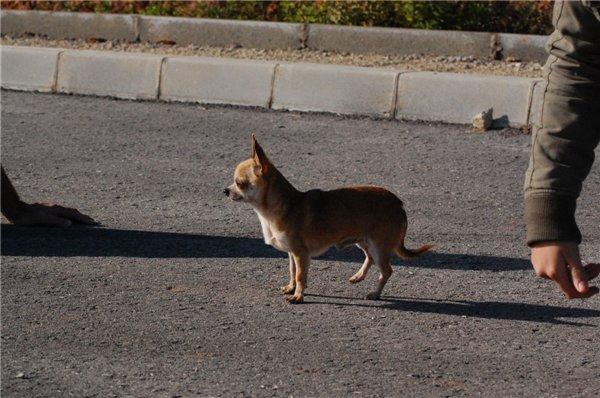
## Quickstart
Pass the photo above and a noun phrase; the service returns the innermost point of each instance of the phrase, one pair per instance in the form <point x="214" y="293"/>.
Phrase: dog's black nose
<point x="226" y="191"/>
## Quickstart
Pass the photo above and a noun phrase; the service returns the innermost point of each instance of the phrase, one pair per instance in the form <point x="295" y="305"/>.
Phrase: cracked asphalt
<point x="176" y="294"/>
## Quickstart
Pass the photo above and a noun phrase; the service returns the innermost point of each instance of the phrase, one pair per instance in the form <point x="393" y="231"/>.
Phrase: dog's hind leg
<point x="362" y="272"/>
<point x="289" y="288"/>
<point x="383" y="260"/>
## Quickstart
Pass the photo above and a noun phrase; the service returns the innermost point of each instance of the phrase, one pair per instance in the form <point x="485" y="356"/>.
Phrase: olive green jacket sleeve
<point x="569" y="130"/>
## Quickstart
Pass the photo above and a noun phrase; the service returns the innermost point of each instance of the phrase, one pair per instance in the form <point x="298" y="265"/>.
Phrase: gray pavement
<point x="176" y="295"/>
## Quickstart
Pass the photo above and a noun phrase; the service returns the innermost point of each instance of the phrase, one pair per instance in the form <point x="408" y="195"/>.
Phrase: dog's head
<point x="250" y="177"/>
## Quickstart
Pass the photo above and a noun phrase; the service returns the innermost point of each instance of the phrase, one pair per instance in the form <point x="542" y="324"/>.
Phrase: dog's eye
<point x="241" y="184"/>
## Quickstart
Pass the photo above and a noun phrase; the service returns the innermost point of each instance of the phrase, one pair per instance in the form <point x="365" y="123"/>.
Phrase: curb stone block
<point x="397" y="41"/>
<point x="223" y="33"/>
<point x="121" y="75"/>
<point x="29" y="68"/>
<point x="217" y="81"/>
<point x="456" y="98"/>
<point x="524" y="47"/>
<point x="334" y="88"/>
<point x="69" y="25"/>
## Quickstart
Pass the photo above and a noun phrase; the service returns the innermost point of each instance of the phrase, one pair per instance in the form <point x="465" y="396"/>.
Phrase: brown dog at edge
<point x="306" y="224"/>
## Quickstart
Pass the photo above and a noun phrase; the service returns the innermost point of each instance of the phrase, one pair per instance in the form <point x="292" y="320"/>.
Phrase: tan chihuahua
<point x="306" y="224"/>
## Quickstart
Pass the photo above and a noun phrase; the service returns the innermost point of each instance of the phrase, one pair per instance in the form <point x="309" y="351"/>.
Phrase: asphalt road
<point x="176" y="295"/>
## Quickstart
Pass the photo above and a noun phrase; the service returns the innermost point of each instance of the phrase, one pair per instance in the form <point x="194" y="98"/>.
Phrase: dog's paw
<point x="296" y="299"/>
<point x="287" y="289"/>
<point x="356" y="278"/>
<point x="373" y="296"/>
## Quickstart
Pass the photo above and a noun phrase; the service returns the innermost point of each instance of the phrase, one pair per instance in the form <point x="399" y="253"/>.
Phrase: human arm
<point x="37" y="214"/>
<point x="563" y="149"/>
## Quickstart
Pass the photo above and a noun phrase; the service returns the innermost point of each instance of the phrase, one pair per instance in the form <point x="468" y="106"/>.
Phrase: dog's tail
<point x="408" y="253"/>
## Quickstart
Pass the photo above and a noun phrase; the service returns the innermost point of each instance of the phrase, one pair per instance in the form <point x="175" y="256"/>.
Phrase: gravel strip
<point x="456" y="64"/>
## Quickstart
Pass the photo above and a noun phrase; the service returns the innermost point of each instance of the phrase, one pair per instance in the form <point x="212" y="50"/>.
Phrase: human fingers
<point x="578" y="276"/>
<point x="562" y="278"/>
<point x="77" y="216"/>
<point x="41" y="218"/>
<point x="565" y="283"/>
<point x="69" y="213"/>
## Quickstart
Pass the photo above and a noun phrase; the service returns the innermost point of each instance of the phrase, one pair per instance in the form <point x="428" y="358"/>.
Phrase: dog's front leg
<point x="289" y="288"/>
<point x="302" y="262"/>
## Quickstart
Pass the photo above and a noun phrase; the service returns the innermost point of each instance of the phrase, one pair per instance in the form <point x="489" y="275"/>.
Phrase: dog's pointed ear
<point x="259" y="156"/>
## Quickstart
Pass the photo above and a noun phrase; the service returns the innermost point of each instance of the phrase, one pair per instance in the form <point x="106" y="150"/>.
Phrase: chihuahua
<point x="307" y="224"/>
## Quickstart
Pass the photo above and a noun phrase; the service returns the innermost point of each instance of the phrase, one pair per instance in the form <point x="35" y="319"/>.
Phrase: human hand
<point x="560" y="262"/>
<point x="48" y="215"/>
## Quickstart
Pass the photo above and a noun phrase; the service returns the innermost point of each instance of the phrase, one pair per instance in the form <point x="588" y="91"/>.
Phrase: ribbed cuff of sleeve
<point x="550" y="217"/>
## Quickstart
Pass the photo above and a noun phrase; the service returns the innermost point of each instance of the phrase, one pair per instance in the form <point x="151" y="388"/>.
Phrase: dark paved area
<point x="176" y="294"/>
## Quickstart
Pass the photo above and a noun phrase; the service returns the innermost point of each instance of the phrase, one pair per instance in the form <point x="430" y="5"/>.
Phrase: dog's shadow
<point x="106" y="242"/>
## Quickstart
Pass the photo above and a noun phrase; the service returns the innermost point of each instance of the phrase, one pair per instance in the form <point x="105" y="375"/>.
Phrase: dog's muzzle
<point x="226" y="191"/>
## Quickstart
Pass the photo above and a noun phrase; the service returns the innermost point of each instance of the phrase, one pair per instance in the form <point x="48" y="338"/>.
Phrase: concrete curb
<point x="272" y="35"/>
<point x="334" y="88"/>
<point x="29" y="69"/>
<point x="220" y="33"/>
<point x="456" y="98"/>
<point x="120" y="75"/>
<point x="442" y="97"/>
<point x="70" y="25"/>
<point x="524" y="47"/>
<point x="397" y="41"/>
<point x="217" y="81"/>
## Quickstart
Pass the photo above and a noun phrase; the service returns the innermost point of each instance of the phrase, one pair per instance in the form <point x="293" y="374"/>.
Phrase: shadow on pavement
<point x="105" y="242"/>
<point x="471" y="309"/>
